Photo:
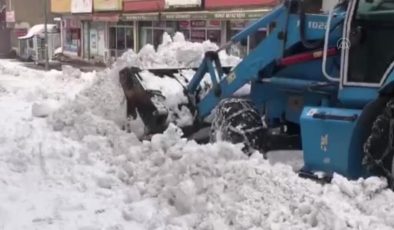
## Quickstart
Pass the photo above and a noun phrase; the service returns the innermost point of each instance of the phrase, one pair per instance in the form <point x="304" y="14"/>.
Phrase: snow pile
<point x="175" y="99"/>
<point x="39" y="30"/>
<point x="89" y="174"/>
<point x="105" y="99"/>
<point x="176" y="52"/>
<point x="97" y="110"/>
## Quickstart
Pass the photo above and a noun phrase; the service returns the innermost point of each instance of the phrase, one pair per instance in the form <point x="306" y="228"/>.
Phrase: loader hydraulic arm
<point x="284" y="34"/>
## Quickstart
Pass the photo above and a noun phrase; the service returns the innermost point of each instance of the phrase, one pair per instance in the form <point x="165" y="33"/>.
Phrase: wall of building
<point x="102" y="29"/>
<point x="5" y="42"/>
<point x="27" y="14"/>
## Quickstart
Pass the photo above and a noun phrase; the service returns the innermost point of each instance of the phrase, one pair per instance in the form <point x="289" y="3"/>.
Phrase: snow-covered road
<point x="77" y="169"/>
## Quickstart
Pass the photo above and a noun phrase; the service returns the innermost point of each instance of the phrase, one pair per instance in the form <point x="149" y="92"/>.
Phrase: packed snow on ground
<point x="77" y="169"/>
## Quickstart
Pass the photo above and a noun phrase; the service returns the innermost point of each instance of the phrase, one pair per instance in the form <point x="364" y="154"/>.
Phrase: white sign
<point x="182" y="3"/>
<point x="10" y="16"/>
<point x="81" y="6"/>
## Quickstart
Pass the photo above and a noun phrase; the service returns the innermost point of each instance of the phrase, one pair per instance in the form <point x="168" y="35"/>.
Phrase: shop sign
<point x="234" y="15"/>
<point x="214" y="23"/>
<point x="202" y="15"/>
<point x="19" y="32"/>
<point x="60" y="6"/>
<point x="198" y="24"/>
<point x="81" y="6"/>
<point x="185" y="16"/>
<point x="106" y="18"/>
<point x="225" y="15"/>
<point x="10" y="16"/>
<point x="184" y="24"/>
<point x="140" y="17"/>
<point x="107" y="5"/>
<point x="169" y="4"/>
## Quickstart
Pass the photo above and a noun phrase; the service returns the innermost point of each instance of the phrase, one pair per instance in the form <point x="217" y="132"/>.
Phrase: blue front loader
<point x="308" y="74"/>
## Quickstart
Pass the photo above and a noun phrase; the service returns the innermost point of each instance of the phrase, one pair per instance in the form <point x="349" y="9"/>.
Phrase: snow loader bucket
<point x="148" y="103"/>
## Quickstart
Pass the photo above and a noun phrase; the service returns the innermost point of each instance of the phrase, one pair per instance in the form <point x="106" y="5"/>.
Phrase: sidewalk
<point x="82" y="65"/>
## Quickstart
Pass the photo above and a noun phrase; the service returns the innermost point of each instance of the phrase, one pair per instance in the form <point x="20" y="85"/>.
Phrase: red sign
<point x="143" y="5"/>
<point x="210" y="4"/>
<point x="20" y="32"/>
<point x="214" y="23"/>
<point x="184" y="24"/>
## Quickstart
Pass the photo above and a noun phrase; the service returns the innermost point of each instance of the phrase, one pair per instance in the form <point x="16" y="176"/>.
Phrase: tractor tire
<point x="236" y="120"/>
<point x="379" y="147"/>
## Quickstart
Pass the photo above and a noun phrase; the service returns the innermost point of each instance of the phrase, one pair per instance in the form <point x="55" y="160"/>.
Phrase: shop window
<point x="152" y="32"/>
<point x="129" y="38"/>
<point x="121" y="38"/>
<point x="31" y="45"/>
<point x="72" y="40"/>
<point x="201" y="30"/>
<point x="198" y="35"/>
<point x="112" y="38"/>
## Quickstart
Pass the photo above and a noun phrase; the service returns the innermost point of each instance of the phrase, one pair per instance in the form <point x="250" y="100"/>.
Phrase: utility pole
<point x="46" y="34"/>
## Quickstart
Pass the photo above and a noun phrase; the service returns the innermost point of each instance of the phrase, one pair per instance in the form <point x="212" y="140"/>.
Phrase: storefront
<point x="197" y="26"/>
<point x="71" y="32"/>
<point x="151" y="32"/>
<point x="73" y="27"/>
<point x="121" y="38"/>
<point x="202" y="30"/>
<point x="94" y="45"/>
<point x="108" y="37"/>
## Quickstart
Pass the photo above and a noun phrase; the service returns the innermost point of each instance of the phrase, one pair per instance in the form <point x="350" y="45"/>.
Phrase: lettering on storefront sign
<point x="229" y="15"/>
<point x="196" y="16"/>
<point x="140" y="17"/>
<point x="106" y="18"/>
<point x="256" y="15"/>
<point x="184" y="16"/>
<point x="198" y="23"/>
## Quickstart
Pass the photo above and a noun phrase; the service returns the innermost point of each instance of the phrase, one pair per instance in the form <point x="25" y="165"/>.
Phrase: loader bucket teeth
<point x="147" y="103"/>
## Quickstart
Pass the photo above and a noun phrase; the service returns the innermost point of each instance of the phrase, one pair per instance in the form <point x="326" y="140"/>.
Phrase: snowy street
<point x="65" y="163"/>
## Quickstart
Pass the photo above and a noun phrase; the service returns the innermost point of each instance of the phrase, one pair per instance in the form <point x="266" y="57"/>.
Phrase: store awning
<point x="247" y="14"/>
<point x="39" y="30"/>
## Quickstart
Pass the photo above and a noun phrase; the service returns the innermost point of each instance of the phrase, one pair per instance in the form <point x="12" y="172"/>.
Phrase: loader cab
<point x="367" y="50"/>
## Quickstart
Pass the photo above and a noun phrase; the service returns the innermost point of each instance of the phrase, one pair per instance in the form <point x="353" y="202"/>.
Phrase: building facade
<point x="104" y="29"/>
<point x="5" y="38"/>
<point x="22" y="15"/>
